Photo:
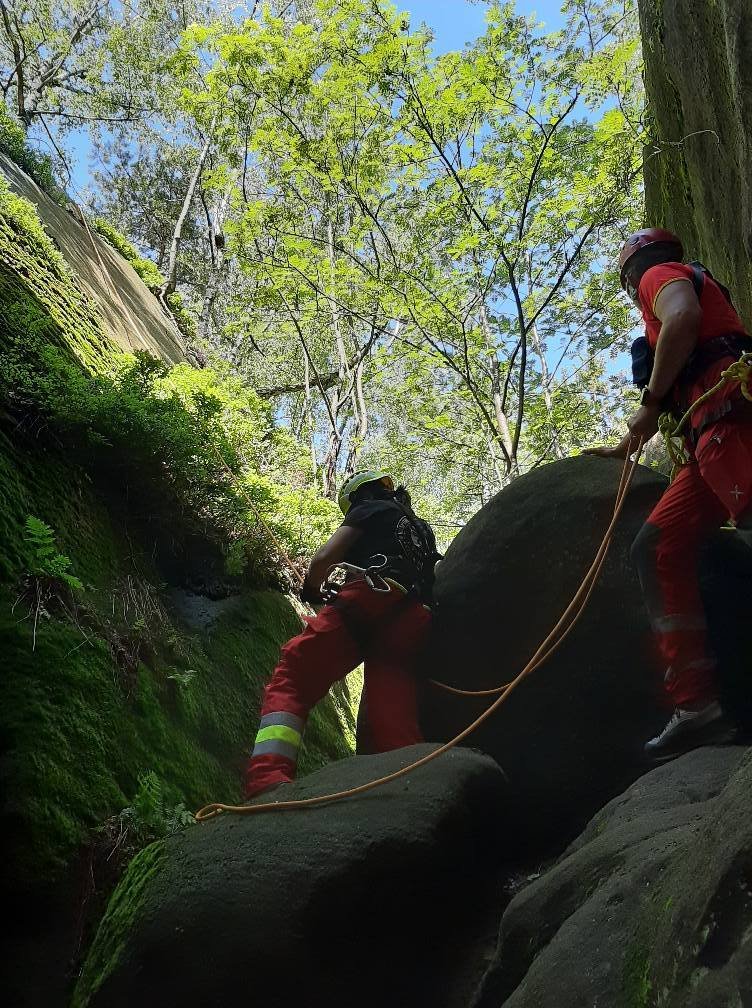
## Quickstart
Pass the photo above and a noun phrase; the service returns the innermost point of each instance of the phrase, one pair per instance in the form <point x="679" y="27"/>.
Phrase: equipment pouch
<point x="643" y="358"/>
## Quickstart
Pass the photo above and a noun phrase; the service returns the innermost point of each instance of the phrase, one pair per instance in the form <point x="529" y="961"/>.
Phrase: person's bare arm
<point x="680" y="314"/>
<point x="334" y="550"/>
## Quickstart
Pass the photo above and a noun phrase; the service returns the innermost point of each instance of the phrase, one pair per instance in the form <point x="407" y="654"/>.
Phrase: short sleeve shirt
<point x="718" y="319"/>
<point x="718" y="316"/>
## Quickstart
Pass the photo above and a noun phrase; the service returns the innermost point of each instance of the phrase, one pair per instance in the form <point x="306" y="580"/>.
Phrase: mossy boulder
<point x="115" y="684"/>
<point x="384" y="898"/>
<point x="132" y="316"/>
<point x="571" y="736"/>
<point x="652" y="905"/>
<point x="118" y="711"/>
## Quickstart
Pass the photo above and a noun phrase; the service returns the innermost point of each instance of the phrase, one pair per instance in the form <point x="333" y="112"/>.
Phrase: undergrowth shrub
<point x="149" y="817"/>
<point x="14" y="145"/>
<point x="202" y="437"/>
<point x="48" y="562"/>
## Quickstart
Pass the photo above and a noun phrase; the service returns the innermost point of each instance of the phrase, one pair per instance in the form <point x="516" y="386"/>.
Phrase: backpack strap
<point x="698" y="278"/>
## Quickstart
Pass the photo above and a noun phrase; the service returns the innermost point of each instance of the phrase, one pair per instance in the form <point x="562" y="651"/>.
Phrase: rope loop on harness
<point x="740" y="371"/>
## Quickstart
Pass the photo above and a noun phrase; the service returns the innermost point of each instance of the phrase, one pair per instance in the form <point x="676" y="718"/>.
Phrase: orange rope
<point x="591" y="577"/>
<point x="574" y="609"/>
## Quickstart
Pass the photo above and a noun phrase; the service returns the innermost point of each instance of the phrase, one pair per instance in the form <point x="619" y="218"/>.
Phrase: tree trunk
<point x="546" y="383"/>
<point x="216" y="278"/>
<point x="339" y="394"/>
<point x="172" y="266"/>
<point x="504" y="437"/>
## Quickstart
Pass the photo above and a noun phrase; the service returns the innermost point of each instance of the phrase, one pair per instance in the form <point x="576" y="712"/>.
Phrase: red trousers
<point x="716" y="485"/>
<point x="387" y="632"/>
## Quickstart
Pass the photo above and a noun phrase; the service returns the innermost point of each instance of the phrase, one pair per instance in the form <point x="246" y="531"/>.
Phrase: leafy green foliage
<point x="188" y="432"/>
<point x="48" y="562"/>
<point x="14" y="145"/>
<point x="149" y="817"/>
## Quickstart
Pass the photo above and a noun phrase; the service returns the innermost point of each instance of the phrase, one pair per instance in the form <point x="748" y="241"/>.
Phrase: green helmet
<point x="356" y="481"/>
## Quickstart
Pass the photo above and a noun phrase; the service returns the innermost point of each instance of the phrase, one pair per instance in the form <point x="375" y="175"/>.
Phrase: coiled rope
<point x="740" y="371"/>
<point x="565" y="624"/>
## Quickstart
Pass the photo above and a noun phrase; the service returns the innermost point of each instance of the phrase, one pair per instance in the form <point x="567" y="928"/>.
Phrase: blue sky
<point x="456" y="22"/>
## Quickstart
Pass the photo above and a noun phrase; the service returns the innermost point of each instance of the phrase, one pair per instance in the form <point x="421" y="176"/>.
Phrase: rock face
<point x="133" y="317"/>
<point x="698" y="170"/>
<point x="651" y="905"/>
<point x="389" y="898"/>
<point x="570" y="737"/>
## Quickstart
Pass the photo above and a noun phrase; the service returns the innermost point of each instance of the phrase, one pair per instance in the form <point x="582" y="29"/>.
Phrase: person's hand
<point x="627" y="445"/>
<point x="644" y="424"/>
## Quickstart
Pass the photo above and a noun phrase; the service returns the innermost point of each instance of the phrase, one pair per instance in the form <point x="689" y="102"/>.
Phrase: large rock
<point x="651" y="906"/>
<point x="386" y="899"/>
<point x="570" y="737"/>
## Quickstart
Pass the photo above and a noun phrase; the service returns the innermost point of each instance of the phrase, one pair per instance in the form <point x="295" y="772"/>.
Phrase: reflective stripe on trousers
<point x="279" y="732"/>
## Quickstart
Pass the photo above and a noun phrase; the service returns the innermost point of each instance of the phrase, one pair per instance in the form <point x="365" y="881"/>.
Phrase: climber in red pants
<point x="693" y="333"/>
<point x="381" y="618"/>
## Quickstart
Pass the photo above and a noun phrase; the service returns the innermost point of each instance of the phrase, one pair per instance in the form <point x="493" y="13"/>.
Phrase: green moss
<point x="79" y="729"/>
<point x="111" y="451"/>
<point x="640" y="964"/>
<point x="637" y="982"/>
<point x="38" y="295"/>
<point x="78" y="742"/>
<point x="14" y="145"/>
<point x="123" y="909"/>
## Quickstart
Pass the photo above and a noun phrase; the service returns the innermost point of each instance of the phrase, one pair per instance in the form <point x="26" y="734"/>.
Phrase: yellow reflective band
<point x="281" y="732"/>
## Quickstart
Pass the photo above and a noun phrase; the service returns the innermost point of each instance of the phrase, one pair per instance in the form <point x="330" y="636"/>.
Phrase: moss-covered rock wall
<point x="698" y="169"/>
<point x="132" y="314"/>
<point x="131" y="698"/>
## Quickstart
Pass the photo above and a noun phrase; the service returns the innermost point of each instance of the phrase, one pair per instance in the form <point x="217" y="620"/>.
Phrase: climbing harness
<point x="740" y="371"/>
<point x="565" y="624"/>
<point x="371" y="575"/>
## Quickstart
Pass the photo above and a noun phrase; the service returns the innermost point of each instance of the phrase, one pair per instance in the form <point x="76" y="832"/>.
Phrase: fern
<point x="47" y="561"/>
<point x="148" y="817"/>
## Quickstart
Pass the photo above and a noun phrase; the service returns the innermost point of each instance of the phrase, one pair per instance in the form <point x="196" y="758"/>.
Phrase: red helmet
<point x="648" y="236"/>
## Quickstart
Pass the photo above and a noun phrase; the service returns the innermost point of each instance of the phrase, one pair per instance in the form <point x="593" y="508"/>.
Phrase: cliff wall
<point x="698" y="169"/>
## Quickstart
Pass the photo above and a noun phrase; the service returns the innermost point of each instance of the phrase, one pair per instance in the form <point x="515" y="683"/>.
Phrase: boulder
<point x="651" y="905"/>
<point x="570" y="737"/>
<point x="387" y="898"/>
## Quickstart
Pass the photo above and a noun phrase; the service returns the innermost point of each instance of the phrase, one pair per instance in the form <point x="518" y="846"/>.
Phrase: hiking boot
<point x="690" y="729"/>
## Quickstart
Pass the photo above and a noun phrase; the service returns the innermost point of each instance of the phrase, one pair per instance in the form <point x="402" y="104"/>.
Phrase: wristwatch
<point x="648" y="399"/>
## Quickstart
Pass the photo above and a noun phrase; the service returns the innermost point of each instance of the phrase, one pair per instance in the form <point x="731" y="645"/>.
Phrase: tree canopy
<point x="408" y="255"/>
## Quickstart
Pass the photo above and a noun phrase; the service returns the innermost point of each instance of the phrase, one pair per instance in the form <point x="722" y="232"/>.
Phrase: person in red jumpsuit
<point x="693" y="333"/>
<point x="386" y="629"/>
